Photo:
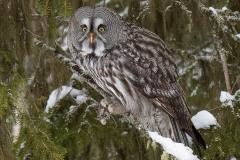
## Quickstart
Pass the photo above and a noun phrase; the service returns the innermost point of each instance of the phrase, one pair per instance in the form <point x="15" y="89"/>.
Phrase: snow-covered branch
<point x="223" y="17"/>
<point x="178" y="150"/>
<point x="228" y="99"/>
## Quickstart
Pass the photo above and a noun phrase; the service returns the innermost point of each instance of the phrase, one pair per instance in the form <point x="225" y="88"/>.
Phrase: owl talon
<point x="114" y="107"/>
<point x="103" y="114"/>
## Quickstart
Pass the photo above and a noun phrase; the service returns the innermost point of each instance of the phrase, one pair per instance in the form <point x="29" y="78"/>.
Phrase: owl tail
<point x="197" y="138"/>
<point x="181" y="136"/>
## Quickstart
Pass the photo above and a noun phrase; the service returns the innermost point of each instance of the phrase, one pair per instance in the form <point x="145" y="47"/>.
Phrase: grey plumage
<point x="135" y="67"/>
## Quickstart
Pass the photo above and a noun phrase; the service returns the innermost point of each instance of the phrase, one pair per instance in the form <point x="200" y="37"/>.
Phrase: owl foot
<point x="108" y="107"/>
<point x="113" y="106"/>
<point x="102" y="114"/>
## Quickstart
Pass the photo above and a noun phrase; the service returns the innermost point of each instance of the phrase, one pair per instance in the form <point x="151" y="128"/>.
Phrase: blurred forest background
<point x="204" y="36"/>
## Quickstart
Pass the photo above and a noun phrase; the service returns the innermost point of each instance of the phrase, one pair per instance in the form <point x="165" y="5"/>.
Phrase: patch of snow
<point x="204" y="119"/>
<point x="62" y="39"/>
<point x="64" y="45"/>
<point x="168" y="8"/>
<point x="194" y="108"/>
<point x="208" y="49"/>
<point x="60" y="93"/>
<point x="225" y="96"/>
<point x="224" y="8"/>
<point x="81" y="99"/>
<point x="76" y="92"/>
<point x="182" y="71"/>
<point x="26" y="156"/>
<point x="213" y="10"/>
<point x="176" y="149"/>
<point x="144" y="3"/>
<point x="124" y="133"/>
<point x="233" y="158"/>
<point x="124" y="12"/>
<point x="30" y="80"/>
<point x="211" y="84"/>
<point x="23" y="144"/>
<point x="72" y="109"/>
<point x="237" y="96"/>
<point x="16" y="131"/>
<point x="65" y="30"/>
<point x="194" y="92"/>
<point x="237" y="35"/>
<point x="74" y="76"/>
<point x="226" y="99"/>
<point x="16" y="128"/>
<point x="104" y="2"/>
<point x="49" y="78"/>
<point x="47" y="120"/>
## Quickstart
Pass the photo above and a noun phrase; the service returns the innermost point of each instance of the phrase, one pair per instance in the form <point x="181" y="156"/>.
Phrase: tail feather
<point x="197" y="138"/>
<point x="180" y="135"/>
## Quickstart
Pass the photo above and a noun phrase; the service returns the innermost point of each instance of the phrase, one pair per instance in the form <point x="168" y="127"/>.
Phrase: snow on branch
<point x="78" y="95"/>
<point x="178" y="150"/>
<point x="204" y="119"/>
<point x="231" y="101"/>
<point x="228" y="99"/>
<point x="223" y="18"/>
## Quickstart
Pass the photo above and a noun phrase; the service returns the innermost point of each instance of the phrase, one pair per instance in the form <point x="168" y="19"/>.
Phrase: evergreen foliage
<point x="224" y="141"/>
<point x="35" y="140"/>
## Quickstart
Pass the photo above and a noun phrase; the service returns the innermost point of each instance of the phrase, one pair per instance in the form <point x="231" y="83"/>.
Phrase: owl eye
<point x="84" y="29"/>
<point x="101" y="28"/>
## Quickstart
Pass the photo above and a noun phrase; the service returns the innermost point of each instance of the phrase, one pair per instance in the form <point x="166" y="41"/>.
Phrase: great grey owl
<point x="134" y="67"/>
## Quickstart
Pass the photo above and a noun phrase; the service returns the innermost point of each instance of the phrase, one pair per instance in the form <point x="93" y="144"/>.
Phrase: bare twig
<point x="225" y="71"/>
<point x="222" y="53"/>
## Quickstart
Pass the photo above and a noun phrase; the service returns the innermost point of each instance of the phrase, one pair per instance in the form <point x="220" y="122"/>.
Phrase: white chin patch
<point x="85" y="47"/>
<point x="98" y="50"/>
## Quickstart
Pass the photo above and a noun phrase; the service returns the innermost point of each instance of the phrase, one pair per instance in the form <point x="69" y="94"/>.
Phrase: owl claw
<point x="113" y="106"/>
<point x="108" y="107"/>
<point x="103" y="114"/>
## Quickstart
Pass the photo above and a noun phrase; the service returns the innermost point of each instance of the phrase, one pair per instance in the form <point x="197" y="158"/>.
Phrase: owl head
<point x="95" y="29"/>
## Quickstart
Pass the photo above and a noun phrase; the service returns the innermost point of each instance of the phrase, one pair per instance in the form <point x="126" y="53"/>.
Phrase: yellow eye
<point x="84" y="29"/>
<point x="101" y="29"/>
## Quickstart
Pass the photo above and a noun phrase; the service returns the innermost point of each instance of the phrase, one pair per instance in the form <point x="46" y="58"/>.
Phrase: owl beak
<point x="91" y="37"/>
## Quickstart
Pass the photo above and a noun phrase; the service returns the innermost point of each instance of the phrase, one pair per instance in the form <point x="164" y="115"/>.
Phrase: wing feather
<point x="151" y="61"/>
